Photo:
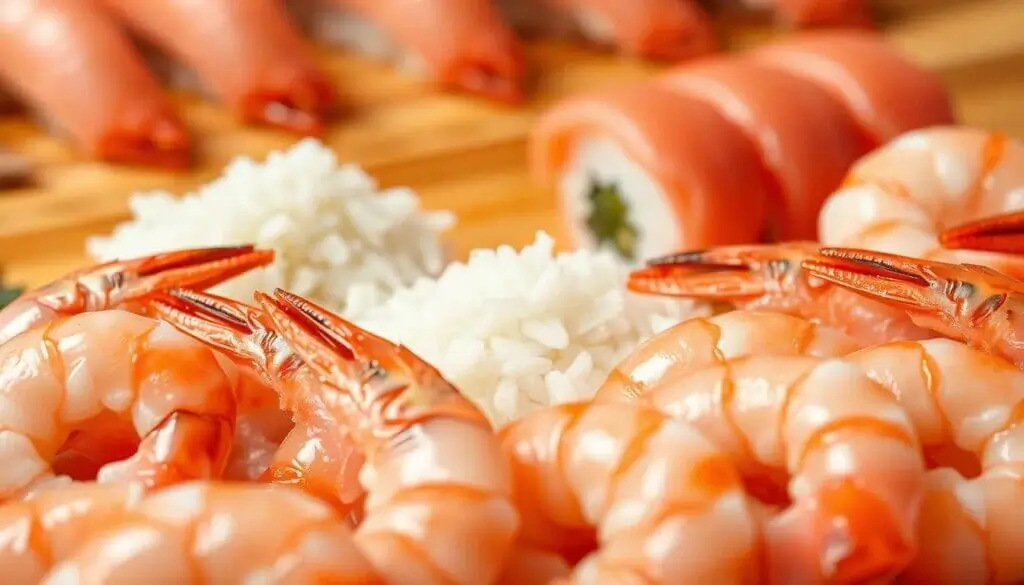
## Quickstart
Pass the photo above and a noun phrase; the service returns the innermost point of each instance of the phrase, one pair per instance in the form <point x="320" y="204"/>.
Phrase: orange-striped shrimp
<point x="73" y="63"/>
<point x="771" y="278"/>
<point x="195" y="532"/>
<point x="435" y="475"/>
<point x="901" y="196"/>
<point x="701" y="341"/>
<point x="966" y="406"/>
<point x="998" y="233"/>
<point x="57" y="379"/>
<point x="249" y="53"/>
<point x="318" y="455"/>
<point x="839" y="443"/>
<point x="666" y="504"/>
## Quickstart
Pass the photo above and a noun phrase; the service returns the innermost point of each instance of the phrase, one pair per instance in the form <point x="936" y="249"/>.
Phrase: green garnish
<point x="8" y="294"/>
<point x="609" y="219"/>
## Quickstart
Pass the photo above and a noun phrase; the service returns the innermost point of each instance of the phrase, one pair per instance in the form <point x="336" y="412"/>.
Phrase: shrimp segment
<point x="57" y="379"/>
<point x="701" y="341"/>
<point x="667" y="505"/>
<point x="1000" y="233"/>
<point x="435" y="474"/>
<point x="73" y="63"/>
<point x="127" y="284"/>
<point x="771" y="278"/>
<point x="856" y="476"/>
<point x="248" y="52"/>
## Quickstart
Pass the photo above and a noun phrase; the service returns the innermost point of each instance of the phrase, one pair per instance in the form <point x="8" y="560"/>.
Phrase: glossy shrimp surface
<point x="702" y="341"/>
<point x="665" y="504"/>
<point x="435" y="476"/>
<point x="825" y="446"/>
<point x="195" y="532"/>
<point x="56" y="379"/>
<point x="71" y="61"/>
<point x="249" y="53"/>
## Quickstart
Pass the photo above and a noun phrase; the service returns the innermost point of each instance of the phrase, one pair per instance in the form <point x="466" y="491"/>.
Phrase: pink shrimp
<point x="248" y="52"/>
<point x="57" y="379"/>
<point x="318" y="455"/>
<point x="771" y="278"/>
<point x="120" y="535"/>
<point x="667" y="506"/>
<point x="69" y="60"/>
<point x="700" y="341"/>
<point x="435" y="475"/>
<point x="849" y="452"/>
<point x="999" y="233"/>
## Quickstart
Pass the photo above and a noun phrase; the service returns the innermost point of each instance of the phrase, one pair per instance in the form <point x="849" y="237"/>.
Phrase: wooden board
<point x="457" y="152"/>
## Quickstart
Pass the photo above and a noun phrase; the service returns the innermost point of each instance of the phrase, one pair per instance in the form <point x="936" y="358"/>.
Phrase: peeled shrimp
<point x="771" y="278"/>
<point x="196" y="532"/>
<point x="667" y="505"/>
<point x="72" y="62"/>
<point x="435" y="475"/>
<point x="701" y="341"/>
<point x="248" y="52"/>
<point x="900" y="197"/>
<point x="56" y="379"/>
<point x="821" y="434"/>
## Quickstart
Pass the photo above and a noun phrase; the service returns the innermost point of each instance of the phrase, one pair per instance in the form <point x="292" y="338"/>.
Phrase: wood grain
<point x="457" y="152"/>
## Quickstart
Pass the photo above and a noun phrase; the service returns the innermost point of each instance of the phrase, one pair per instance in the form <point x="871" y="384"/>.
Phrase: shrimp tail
<point x="1002" y="233"/>
<point x="160" y="141"/>
<point x="220" y="322"/>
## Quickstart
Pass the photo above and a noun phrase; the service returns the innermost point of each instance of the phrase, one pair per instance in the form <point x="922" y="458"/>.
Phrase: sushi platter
<point x="459" y="153"/>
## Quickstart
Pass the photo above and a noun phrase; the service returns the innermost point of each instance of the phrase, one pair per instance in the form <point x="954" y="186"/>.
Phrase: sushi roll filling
<point x="608" y="220"/>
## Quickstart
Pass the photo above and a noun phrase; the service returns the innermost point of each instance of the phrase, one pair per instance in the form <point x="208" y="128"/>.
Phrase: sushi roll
<point x="461" y="45"/>
<point x="804" y="136"/>
<point x="669" y="30"/>
<point x="887" y="94"/>
<point x="647" y="171"/>
<point x="809" y="13"/>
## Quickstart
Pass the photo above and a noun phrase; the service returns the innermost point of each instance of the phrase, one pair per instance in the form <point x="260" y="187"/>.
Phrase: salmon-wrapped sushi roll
<point x="461" y="45"/>
<point x="247" y="51"/>
<point x="805" y="137"/>
<point x="72" y="63"/>
<point x="887" y="94"/>
<point x="648" y="171"/>
<point x="652" y="29"/>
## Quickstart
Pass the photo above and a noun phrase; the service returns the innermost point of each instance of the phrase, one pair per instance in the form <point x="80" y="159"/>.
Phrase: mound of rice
<point x="517" y="331"/>
<point x="339" y="240"/>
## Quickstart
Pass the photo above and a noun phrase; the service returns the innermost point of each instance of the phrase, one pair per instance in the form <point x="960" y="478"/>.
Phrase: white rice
<point x="517" y="331"/>
<point x="338" y="239"/>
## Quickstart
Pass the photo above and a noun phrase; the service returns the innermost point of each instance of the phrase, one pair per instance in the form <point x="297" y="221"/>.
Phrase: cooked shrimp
<point x="770" y="278"/>
<point x="249" y="53"/>
<point x="435" y="475"/>
<point x="56" y="379"/>
<point x="71" y="61"/>
<point x="974" y="304"/>
<point x="998" y="233"/>
<point x="318" y="455"/>
<point x="127" y="284"/>
<point x="900" y="197"/>
<point x="700" y="341"/>
<point x="667" y="505"/>
<point x="849" y="452"/>
<point x="965" y="406"/>
<point x="196" y="532"/>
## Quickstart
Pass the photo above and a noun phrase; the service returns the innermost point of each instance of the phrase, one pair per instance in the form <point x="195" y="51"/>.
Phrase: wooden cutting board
<point x="460" y="153"/>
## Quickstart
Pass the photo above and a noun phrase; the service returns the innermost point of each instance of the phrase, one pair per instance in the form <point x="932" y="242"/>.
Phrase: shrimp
<point x="248" y="52"/>
<point x="57" y="379"/>
<point x="666" y="504"/>
<point x="317" y="455"/>
<point x="771" y="278"/>
<point x="435" y="474"/>
<point x="999" y="233"/>
<point x="127" y="284"/>
<point x="900" y="197"/>
<point x="195" y="532"/>
<point x="72" y="63"/>
<point x="700" y="341"/>
<point x="970" y="303"/>
<point x="965" y="406"/>
<point x="855" y="473"/>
